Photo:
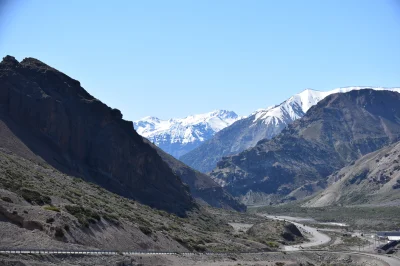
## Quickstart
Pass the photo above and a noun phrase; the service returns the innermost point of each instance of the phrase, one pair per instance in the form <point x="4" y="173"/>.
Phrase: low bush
<point x="272" y="244"/>
<point x="84" y="216"/>
<point x="52" y="208"/>
<point x="145" y="230"/>
<point x="59" y="233"/>
<point x="7" y="199"/>
<point x="34" y="197"/>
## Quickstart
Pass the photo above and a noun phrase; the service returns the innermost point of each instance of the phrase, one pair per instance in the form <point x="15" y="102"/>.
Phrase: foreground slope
<point x="47" y="116"/>
<point x="42" y="208"/>
<point x="177" y="136"/>
<point x="374" y="179"/>
<point x="339" y="129"/>
<point x="264" y="123"/>
<point x="202" y="187"/>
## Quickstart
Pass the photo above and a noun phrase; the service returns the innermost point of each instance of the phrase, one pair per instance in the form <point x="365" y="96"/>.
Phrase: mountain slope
<point x="264" y="123"/>
<point x="338" y="130"/>
<point x="46" y="116"/>
<point x="178" y="136"/>
<point x="373" y="179"/>
<point x="42" y="208"/>
<point x="202" y="187"/>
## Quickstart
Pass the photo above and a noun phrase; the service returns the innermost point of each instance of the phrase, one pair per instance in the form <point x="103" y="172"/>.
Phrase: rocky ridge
<point x="374" y="179"/>
<point x="262" y="124"/>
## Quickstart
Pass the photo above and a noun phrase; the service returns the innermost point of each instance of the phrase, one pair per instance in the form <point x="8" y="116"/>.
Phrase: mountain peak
<point x="8" y="59"/>
<point x="35" y="63"/>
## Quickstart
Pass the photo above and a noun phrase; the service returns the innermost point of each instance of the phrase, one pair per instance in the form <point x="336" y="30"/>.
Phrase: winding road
<point x="318" y="238"/>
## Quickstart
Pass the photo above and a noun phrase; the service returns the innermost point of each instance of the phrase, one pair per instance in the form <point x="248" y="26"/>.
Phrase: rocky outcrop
<point x="338" y="130"/>
<point x="49" y="116"/>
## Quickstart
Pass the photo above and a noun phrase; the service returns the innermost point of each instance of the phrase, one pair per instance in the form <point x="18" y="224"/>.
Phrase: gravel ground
<point x="268" y="259"/>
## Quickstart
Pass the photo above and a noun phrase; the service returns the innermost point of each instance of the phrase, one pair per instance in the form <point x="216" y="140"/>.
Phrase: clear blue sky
<point x="175" y="58"/>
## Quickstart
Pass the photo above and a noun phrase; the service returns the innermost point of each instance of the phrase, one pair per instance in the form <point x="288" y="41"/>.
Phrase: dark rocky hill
<point x="242" y="134"/>
<point x="47" y="116"/>
<point x="202" y="187"/>
<point x="338" y="130"/>
<point x="374" y="179"/>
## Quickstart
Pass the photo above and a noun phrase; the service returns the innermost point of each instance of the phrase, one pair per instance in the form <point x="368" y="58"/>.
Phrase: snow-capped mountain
<point x="178" y="136"/>
<point x="297" y="105"/>
<point x="263" y="123"/>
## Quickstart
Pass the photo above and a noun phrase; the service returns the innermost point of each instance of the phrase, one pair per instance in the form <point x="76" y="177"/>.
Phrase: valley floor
<point x="319" y="250"/>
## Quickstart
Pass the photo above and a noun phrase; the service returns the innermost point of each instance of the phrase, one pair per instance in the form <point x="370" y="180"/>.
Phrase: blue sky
<point x="175" y="58"/>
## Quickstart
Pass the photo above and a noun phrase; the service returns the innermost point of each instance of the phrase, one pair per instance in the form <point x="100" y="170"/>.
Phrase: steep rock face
<point x="202" y="187"/>
<point x="264" y="123"/>
<point x="339" y="129"/>
<point x="46" y="115"/>
<point x="373" y="179"/>
<point x="177" y="136"/>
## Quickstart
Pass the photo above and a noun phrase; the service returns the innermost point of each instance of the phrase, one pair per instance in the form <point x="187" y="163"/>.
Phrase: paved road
<point x="316" y="237"/>
<point x="319" y="238"/>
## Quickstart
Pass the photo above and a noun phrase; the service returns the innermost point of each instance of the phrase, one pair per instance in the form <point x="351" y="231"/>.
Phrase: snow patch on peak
<point x="297" y="105"/>
<point x="191" y="130"/>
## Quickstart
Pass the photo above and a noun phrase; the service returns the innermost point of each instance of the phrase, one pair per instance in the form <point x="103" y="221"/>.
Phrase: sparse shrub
<point x="50" y="220"/>
<point x="77" y="193"/>
<point x="7" y="199"/>
<point x="145" y="230"/>
<point x="52" y="208"/>
<point x="77" y="180"/>
<point x="110" y="217"/>
<point x="163" y="228"/>
<point x="38" y="177"/>
<point x="199" y="248"/>
<point x="59" y="233"/>
<point x="272" y="244"/>
<point x="84" y="216"/>
<point x="66" y="227"/>
<point x="34" y="197"/>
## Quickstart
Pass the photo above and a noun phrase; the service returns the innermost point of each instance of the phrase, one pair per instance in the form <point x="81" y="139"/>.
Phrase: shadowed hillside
<point x="47" y="116"/>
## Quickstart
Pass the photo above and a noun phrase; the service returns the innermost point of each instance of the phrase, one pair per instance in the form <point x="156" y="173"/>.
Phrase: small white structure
<point x="391" y="236"/>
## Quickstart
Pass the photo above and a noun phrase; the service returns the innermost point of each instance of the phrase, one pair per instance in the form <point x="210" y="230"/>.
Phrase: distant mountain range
<point x="341" y="128"/>
<point x="262" y="124"/>
<point x="177" y="136"/>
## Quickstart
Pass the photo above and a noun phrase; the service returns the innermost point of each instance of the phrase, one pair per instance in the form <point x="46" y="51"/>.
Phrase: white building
<point x="391" y="236"/>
